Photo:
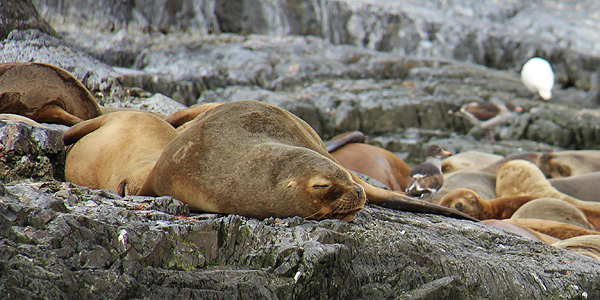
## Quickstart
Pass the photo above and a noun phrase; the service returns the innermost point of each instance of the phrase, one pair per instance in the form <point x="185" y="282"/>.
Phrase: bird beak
<point x="446" y="153"/>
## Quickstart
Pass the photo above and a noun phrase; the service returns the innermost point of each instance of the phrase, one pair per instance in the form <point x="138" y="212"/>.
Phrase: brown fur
<point x="377" y="163"/>
<point x="185" y="115"/>
<point x="258" y="160"/>
<point x="483" y="183"/>
<point x="343" y="139"/>
<point x="45" y="93"/>
<point x="116" y="151"/>
<point x="522" y="231"/>
<point x="19" y="119"/>
<point x="470" y="203"/>
<point x="552" y="209"/>
<point x="556" y="229"/>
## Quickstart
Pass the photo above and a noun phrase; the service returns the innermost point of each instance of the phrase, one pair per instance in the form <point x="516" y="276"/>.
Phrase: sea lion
<point x="588" y="245"/>
<point x="483" y="183"/>
<point x="116" y="151"/>
<point x="533" y="157"/>
<point x="519" y="177"/>
<point x="19" y="119"/>
<point x="569" y="163"/>
<point x="522" y="231"/>
<point x="45" y="93"/>
<point x="553" y="209"/>
<point x="468" y="160"/>
<point x="258" y="160"/>
<point x="185" y="115"/>
<point x="375" y="162"/>
<point x="470" y="203"/>
<point x="556" y="229"/>
<point x="108" y="110"/>
<point x="583" y="186"/>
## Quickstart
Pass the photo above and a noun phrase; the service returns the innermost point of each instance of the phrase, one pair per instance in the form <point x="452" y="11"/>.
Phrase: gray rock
<point x="21" y="14"/>
<point x="28" y="151"/>
<point x="113" y="247"/>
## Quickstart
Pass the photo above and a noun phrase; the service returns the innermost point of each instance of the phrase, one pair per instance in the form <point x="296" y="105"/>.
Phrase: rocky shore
<point x="391" y="69"/>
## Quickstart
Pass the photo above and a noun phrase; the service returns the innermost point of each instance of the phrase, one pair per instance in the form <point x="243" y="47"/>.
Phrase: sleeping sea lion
<point x="519" y="177"/>
<point x="19" y="119"/>
<point x="521" y="230"/>
<point x="483" y="183"/>
<point x="375" y="162"/>
<point x="258" y="160"/>
<point x="588" y="245"/>
<point x="583" y="186"/>
<point x="339" y="141"/>
<point x="556" y="229"/>
<point x="116" y="151"/>
<point x="553" y="209"/>
<point x="468" y="160"/>
<point x="45" y="93"/>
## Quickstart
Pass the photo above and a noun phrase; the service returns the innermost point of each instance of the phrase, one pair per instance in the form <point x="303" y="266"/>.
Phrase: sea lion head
<point x="319" y="188"/>
<point x="464" y="200"/>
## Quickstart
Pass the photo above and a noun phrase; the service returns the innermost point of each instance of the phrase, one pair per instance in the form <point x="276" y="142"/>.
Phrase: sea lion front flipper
<point x="406" y="203"/>
<point x="343" y="139"/>
<point x="73" y="134"/>
<point x="55" y="114"/>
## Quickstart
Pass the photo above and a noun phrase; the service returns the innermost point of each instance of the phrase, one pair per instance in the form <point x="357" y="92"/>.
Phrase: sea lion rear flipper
<point x="343" y="139"/>
<point x="78" y="131"/>
<point x="55" y="114"/>
<point x="185" y="115"/>
<point x="406" y="203"/>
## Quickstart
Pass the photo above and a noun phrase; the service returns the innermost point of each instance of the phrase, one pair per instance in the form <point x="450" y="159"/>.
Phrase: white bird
<point x="538" y="77"/>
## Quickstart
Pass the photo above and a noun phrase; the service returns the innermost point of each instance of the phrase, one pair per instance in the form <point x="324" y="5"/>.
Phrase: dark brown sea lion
<point x="375" y="162"/>
<point x="45" y="93"/>
<point x="116" y="151"/>
<point x="258" y="160"/>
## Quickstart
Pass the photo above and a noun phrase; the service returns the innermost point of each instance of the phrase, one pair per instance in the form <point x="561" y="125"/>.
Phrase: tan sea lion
<point x="185" y="115"/>
<point x="45" y="93"/>
<point x="258" y="160"/>
<point x="19" y="119"/>
<point x="583" y="186"/>
<point x="468" y="160"/>
<point x="556" y="229"/>
<point x="553" y="209"/>
<point x="483" y="183"/>
<point x="533" y="157"/>
<point x="569" y="163"/>
<point x="375" y="162"/>
<point x="521" y="230"/>
<point x="108" y="110"/>
<point x="116" y="151"/>
<point x="519" y="177"/>
<point x="588" y="245"/>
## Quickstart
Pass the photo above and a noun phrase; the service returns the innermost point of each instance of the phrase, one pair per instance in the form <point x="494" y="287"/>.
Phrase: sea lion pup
<point x="468" y="160"/>
<point x="519" y="177"/>
<point x="45" y="93"/>
<point x="554" y="210"/>
<point x="258" y="160"/>
<point x="470" y="203"/>
<point x="116" y="151"/>
<point x="556" y="229"/>
<point x="583" y="187"/>
<point x="377" y="163"/>
<point x="588" y="245"/>
<point x="521" y="230"/>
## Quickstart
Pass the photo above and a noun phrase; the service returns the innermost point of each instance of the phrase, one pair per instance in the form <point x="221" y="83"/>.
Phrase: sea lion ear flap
<point x="75" y="133"/>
